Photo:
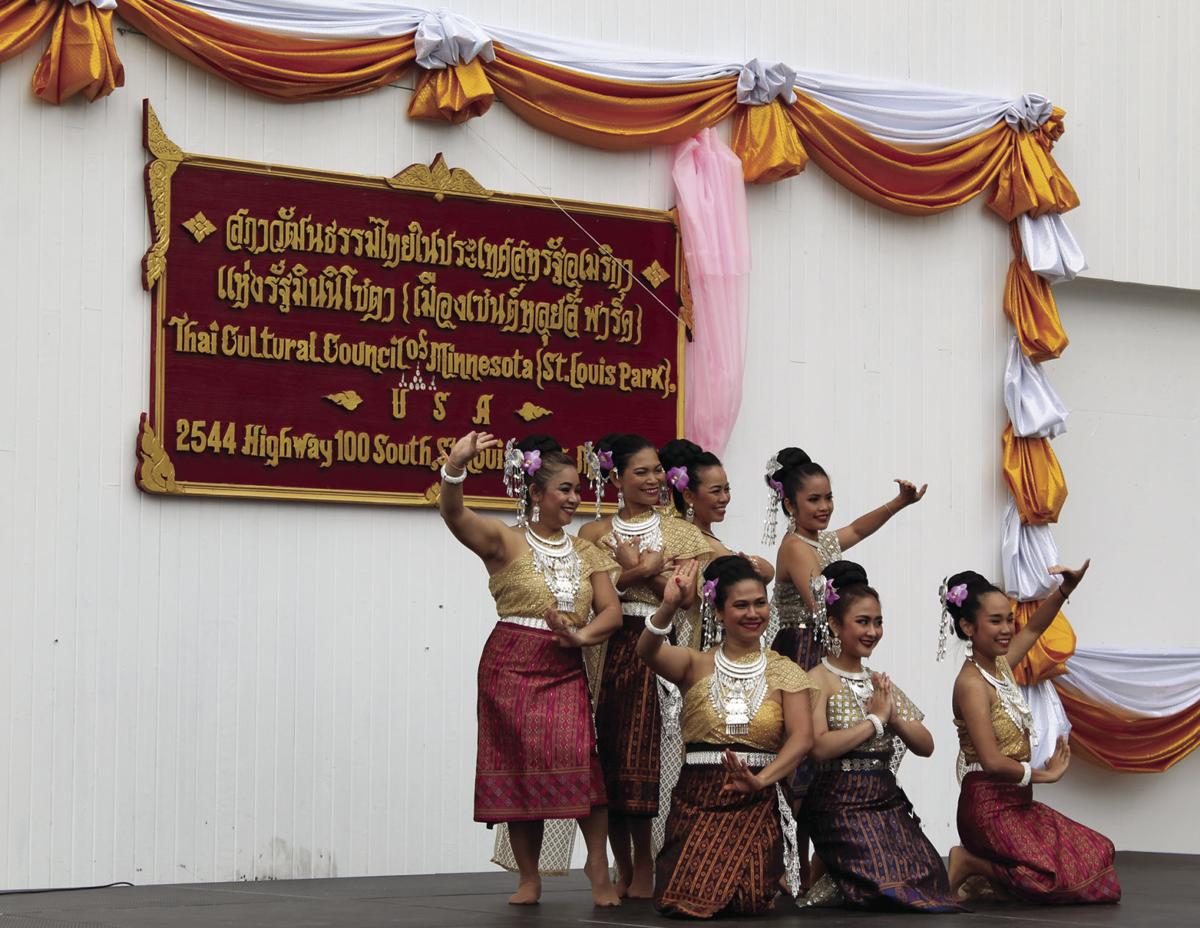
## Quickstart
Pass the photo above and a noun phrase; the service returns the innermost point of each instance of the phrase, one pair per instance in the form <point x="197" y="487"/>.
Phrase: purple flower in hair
<point x="776" y="486"/>
<point x="831" y="593"/>
<point x="605" y="460"/>
<point x="709" y="591"/>
<point x="957" y="594"/>
<point x="678" y="478"/>
<point x="531" y="462"/>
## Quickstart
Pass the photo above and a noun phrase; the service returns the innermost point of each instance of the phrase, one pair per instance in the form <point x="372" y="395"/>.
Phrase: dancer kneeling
<point x="747" y="723"/>
<point x="1025" y="848"/>
<point x="536" y="757"/>
<point x="861" y="822"/>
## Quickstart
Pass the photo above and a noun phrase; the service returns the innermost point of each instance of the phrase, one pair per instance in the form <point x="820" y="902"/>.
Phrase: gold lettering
<point x="483" y="410"/>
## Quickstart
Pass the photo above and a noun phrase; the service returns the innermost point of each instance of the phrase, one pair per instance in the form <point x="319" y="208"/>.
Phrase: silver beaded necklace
<point x="648" y="532"/>
<point x="1014" y="704"/>
<point x="736" y="691"/>
<point x="558" y="562"/>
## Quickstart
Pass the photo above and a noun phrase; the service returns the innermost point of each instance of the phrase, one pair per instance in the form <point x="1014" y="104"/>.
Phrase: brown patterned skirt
<point x="628" y="725"/>
<point x="723" y="851"/>
<point x="536" y="756"/>
<point x="1038" y="855"/>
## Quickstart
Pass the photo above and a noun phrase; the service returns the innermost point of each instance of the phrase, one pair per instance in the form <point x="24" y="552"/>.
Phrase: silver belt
<point x="528" y="621"/>
<point x="850" y="764"/>
<point x="712" y="758"/>
<point x="643" y="610"/>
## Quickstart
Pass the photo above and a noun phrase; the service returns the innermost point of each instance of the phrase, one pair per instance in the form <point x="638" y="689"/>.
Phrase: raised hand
<point x="651" y="563"/>
<point x="1070" y="578"/>
<point x="909" y="493"/>
<point x="682" y="580"/>
<point x="1056" y="766"/>
<point x="880" y="703"/>
<point x="625" y="553"/>
<point x="739" y="778"/>
<point x="470" y="445"/>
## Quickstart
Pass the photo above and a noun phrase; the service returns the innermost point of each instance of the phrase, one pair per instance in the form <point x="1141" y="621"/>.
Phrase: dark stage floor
<point x="1159" y="890"/>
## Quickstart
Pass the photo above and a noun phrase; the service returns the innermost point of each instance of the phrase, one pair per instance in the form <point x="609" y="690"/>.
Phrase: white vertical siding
<point x="203" y="690"/>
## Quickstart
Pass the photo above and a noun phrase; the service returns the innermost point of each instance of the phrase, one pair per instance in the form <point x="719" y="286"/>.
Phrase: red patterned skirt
<point x="1038" y="855"/>
<point x="628" y="725"/>
<point x="537" y="751"/>
<point x="723" y="851"/>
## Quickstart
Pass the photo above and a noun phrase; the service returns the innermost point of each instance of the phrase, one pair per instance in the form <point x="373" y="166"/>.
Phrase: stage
<point x="1159" y="890"/>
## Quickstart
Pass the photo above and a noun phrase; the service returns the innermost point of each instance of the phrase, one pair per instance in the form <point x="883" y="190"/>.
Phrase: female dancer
<point x="862" y="825"/>
<point x="700" y="492"/>
<point x="800" y="487"/>
<point x="747" y="721"/>
<point x="545" y="583"/>
<point x="1025" y="848"/>
<point x="628" y="724"/>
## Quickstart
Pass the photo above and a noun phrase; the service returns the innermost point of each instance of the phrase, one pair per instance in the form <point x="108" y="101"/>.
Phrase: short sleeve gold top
<point x="680" y="540"/>
<point x="702" y="725"/>
<point x="1012" y="740"/>
<point x="847" y="708"/>
<point x="788" y="602"/>
<point x="520" y="590"/>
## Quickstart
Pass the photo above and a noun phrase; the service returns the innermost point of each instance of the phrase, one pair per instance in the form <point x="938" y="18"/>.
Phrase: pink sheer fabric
<point x="711" y="197"/>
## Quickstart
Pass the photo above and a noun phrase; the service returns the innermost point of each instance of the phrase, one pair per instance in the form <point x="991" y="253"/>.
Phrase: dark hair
<point x="623" y="446"/>
<point x="795" y="467"/>
<point x="850" y="583"/>
<point x="553" y="458"/>
<point x="728" y="570"/>
<point x="977" y="586"/>
<point x="686" y="454"/>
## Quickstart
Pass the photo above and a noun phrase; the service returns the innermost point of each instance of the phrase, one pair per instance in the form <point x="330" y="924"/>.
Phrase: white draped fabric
<point x="1050" y="720"/>
<point x="1049" y="247"/>
<point x="894" y="112"/>
<point x="1027" y="552"/>
<point x="1151" y="684"/>
<point x="98" y="4"/>
<point x="1034" y="407"/>
<point x="445" y="39"/>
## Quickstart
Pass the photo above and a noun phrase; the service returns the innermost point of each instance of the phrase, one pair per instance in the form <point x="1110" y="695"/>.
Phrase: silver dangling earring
<point x="835" y="643"/>
<point x="536" y="514"/>
<point x="791" y="525"/>
<point x="970" y="651"/>
<point x="620" y="499"/>
<point x="690" y="515"/>
<point x="664" y="495"/>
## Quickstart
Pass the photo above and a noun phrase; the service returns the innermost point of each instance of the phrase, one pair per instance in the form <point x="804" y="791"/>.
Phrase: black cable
<point x="61" y="889"/>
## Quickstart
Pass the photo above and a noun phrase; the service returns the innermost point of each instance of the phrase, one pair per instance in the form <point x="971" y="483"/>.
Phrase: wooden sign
<point x="327" y="336"/>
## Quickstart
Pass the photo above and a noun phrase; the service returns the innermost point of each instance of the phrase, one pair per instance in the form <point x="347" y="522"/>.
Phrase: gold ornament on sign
<point x="656" y="274"/>
<point x="155" y="472"/>
<point x="347" y="399"/>
<point x="438" y="179"/>
<point x="167" y="156"/>
<point x="529" y="412"/>
<point x="433" y="494"/>
<point x="200" y="227"/>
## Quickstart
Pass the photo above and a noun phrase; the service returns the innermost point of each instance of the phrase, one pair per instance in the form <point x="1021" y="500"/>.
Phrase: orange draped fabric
<point x="1129" y="743"/>
<point x="1034" y="478"/>
<point x="21" y="24"/>
<point x="1030" y="307"/>
<point x="453" y="94"/>
<point x="1032" y="182"/>
<point x="81" y="56"/>
<point x="767" y="144"/>
<point x="279" y="66"/>
<point x="607" y="113"/>
<point x="1049" y="655"/>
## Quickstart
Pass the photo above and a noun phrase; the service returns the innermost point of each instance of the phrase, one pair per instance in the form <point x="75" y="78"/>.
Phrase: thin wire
<point x="549" y="196"/>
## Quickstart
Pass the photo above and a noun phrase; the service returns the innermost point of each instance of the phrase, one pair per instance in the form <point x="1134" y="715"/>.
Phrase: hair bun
<point x="977" y="586"/>
<point x="679" y="452"/>
<point x="539" y="442"/>
<point x="844" y="574"/>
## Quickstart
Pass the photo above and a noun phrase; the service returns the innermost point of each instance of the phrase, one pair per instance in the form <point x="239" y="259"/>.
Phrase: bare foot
<point x="528" y="892"/>
<point x="642" y="886"/>
<point x="959" y="868"/>
<point x="603" y="892"/>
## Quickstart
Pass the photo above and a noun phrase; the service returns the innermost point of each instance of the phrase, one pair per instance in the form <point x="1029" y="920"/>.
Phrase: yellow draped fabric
<point x="278" y="66"/>
<point x="81" y="56"/>
<point x="1049" y="655"/>
<point x="766" y="142"/>
<point x="21" y="24"/>
<point x="607" y="113"/>
<point x="1031" y="181"/>
<point x="453" y="94"/>
<point x="1030" y="307"/>
<point x="1129" y="743"/>
<point x="1034" y="478"/>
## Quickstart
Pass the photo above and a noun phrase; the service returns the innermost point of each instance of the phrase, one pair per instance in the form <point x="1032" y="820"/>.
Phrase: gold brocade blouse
<point x="843" y="710"/>
<point x="681" y="540"/>
<point x="520" y="590"/>
<point x="788" y="603"/>
<point x="1012" y="740"/>
<point x="702" y="725"/>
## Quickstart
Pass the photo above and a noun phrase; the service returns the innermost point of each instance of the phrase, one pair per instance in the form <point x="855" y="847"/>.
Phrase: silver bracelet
<point x="655" y="630"/>
<point x="450" y="478"/>
<point x="1028" y="775"/>
<point x="875" y="720"/>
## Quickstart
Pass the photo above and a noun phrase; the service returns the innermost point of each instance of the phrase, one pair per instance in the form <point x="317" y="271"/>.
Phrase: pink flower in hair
<point x="709" y="591"/>
<point x="678" y="478"/>
<point x="532" y="462"/>
<point x="605" y="460"/>
<point x="776" y="486"/>
<point x="831" y="594"/>
<point x="957" y="594"/>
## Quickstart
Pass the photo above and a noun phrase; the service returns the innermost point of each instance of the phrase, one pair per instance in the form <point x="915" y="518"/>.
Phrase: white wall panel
<point x="203" y="690"/>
